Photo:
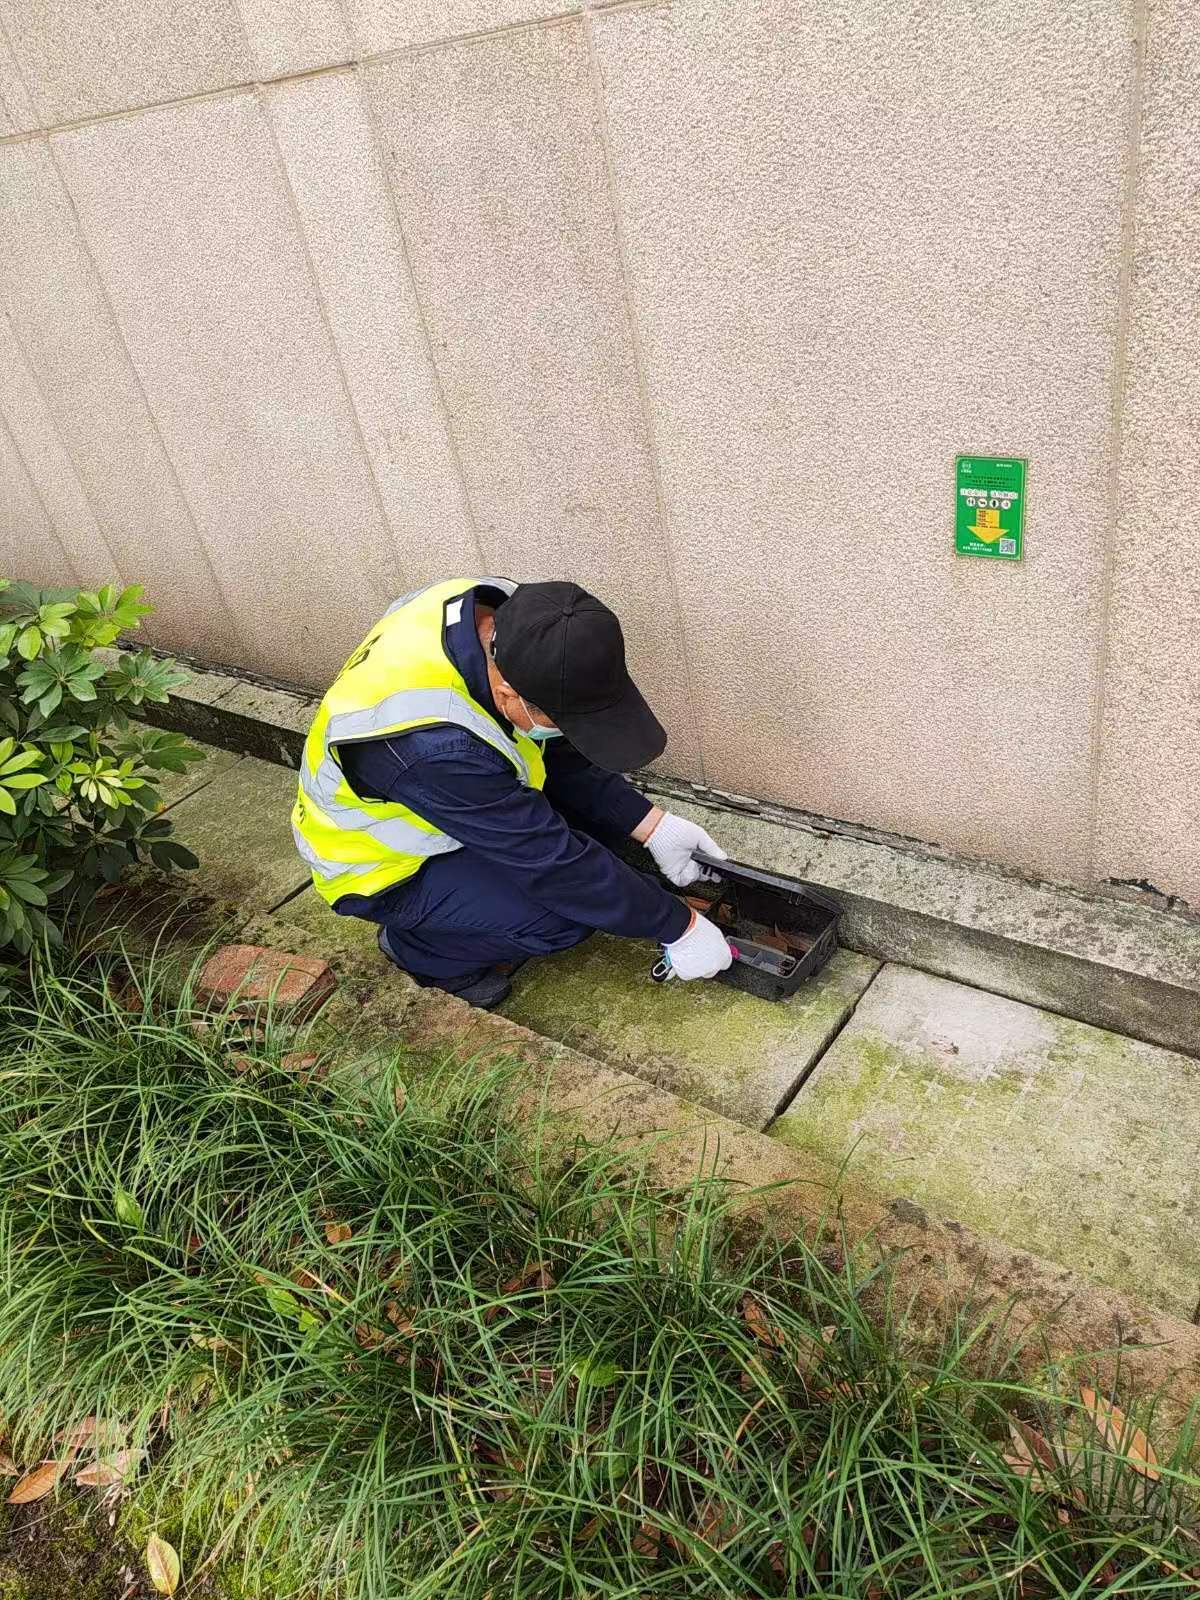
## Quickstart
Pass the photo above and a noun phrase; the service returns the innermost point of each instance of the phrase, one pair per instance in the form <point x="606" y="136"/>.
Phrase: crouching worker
<point x="460" y="788"/>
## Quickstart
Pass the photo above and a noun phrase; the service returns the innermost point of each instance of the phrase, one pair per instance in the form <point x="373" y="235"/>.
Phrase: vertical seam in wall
<point x="643" y="383"/>
<point x="35" y="379"/>
<point x="102" y="289"/>
<point x="34" y="104"/>
<point x="397" y="573"/>
<point x="343" y="11"/>
<point x="33" y="483"/>
<point x="1141" y="28"/>
<point x="422" y="317"/>
<point x="251" y="52"/>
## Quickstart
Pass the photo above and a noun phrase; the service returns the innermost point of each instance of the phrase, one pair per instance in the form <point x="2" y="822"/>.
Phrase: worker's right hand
<point x="701" y="952"/>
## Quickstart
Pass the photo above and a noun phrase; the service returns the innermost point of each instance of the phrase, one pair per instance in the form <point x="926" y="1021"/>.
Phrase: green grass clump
<point x="388" y="1349"/>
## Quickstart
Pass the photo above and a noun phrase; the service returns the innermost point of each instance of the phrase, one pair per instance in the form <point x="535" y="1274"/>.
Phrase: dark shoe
<point x="487" y="988"/>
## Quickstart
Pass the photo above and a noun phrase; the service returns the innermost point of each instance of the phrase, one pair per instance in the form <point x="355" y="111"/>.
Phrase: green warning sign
<point x="989" y="506"/>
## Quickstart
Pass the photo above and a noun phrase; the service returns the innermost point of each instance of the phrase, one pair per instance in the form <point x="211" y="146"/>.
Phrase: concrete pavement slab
<point x="1057" y="1137"/>
<point x="176" y="786"/>
<point x="704" y="1041"/>
<point x="238" y="826"/>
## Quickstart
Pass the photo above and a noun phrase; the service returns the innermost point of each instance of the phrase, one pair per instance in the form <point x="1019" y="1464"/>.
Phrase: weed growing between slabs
<point x="386" y="1346"/>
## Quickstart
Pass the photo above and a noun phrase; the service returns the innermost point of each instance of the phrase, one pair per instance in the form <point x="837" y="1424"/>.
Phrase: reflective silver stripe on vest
<point x="431" y="844"/>
<point x="327" y="869"/>
<point x="396" y="834"/>
<point x="423" y="705"/>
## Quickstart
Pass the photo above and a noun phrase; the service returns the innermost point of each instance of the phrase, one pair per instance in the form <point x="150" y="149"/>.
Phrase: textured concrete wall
<point x="1148" y="815"/>
<point x="308" y="301"/>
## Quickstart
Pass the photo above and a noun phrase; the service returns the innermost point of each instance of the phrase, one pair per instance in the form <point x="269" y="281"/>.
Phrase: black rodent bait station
<point x="781" y="930"/>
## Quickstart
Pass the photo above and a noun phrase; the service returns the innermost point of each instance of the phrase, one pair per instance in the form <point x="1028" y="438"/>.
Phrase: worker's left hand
<point x="671" y="844"/>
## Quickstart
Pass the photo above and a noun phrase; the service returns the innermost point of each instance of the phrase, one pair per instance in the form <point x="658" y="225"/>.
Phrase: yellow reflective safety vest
<point x="400" y="677"/>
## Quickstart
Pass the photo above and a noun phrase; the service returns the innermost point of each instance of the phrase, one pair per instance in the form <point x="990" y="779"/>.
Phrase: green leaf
<point x="280" y="1301"/>
<point x="127" y="1210"/>
<point x="7" y="804"/>
<point x="593" y="1372"/>
<point x="168" y="855"/>
<point x="81" y="689"/>
<point x="32" y="893"/>
<point x="25" y="758"/>
<point x="30" y="643"/>
<point x="24" y="780"/>
<point x="51" y="700"/>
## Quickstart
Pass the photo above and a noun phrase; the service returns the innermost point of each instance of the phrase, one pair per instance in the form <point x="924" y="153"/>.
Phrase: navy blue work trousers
<point x="460" y="915"/>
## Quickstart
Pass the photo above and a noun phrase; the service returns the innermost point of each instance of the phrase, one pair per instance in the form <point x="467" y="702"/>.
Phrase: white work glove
<point x="701" y="952"/>
<point x="671" y="844"/>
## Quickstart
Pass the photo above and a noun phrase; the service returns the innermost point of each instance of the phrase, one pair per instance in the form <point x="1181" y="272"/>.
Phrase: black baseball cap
<point x="563" y="650"/>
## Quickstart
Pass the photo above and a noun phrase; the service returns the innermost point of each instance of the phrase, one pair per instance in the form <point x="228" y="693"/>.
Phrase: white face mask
<point x="535" y="731"/>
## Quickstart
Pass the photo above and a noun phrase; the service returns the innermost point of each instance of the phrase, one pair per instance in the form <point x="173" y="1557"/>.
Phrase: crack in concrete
<point x="835" y="1033"/>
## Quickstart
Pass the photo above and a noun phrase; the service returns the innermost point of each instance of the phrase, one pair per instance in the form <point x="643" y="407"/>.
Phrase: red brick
<point x="253" y="973"/>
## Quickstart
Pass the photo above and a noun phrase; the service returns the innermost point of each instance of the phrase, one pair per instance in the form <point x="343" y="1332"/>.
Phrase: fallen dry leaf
<point x="1121" y="1435"/>
<point x="36" y="1485"/>
<point x="393" y="1270"/>
<point x="337" y="1232"/>
<point x="162" y="1563"/>
<point x="1032" y="1455"/>
<point x="716" y="1525"/>
<point x="74" y="1438"/>
<point x="398" y="1316"/>
<point x="1028" y="1445"/>
<point x="760" y="1326"/>
<point x="537" y="1276"/>
<point x="646" y="1540"/>
<point x="305" y="1279"/>
<point x="114" y="1469"/>
<point x="8" y="1467"/>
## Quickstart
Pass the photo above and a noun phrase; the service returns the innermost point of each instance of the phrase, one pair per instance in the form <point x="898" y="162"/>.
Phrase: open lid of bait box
<point x="782" y="929"/>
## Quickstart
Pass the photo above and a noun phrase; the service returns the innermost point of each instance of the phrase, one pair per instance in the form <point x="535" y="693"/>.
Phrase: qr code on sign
<point x="1008" y="547"/>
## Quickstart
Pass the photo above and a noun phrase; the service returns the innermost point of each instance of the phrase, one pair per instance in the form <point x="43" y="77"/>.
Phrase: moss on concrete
<point x="1055" y="1136"/>
<point x="55" y="1549"/>
<point x="239" y="827"/>
<point x="176" y="786"/>
<point x="705" y="1041"/>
